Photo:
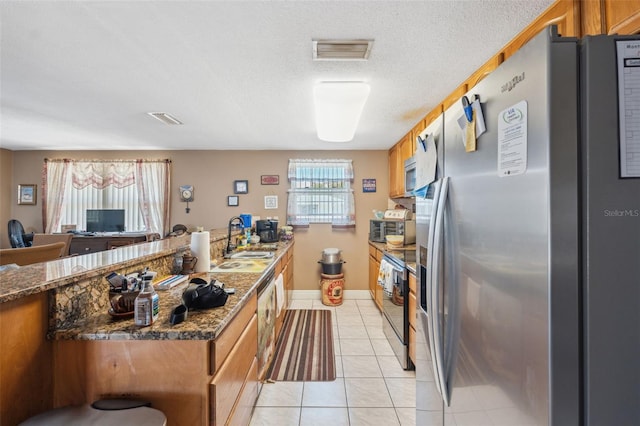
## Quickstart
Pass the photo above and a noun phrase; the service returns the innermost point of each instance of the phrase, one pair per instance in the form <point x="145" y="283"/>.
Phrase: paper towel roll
<point x="200" y="248"/>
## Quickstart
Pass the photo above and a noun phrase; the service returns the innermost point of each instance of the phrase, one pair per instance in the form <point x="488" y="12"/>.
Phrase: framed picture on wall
<point x="27" y="194"/>
<point x="233" y="200"/>
<point x="240" y="187"/>
<point x="271" y="202"/>
<point x="368" y="185"/>
<point x="270" y="180"/>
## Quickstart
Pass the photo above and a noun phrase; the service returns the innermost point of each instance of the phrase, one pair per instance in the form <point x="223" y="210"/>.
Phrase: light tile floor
<point x="370" y="389"/>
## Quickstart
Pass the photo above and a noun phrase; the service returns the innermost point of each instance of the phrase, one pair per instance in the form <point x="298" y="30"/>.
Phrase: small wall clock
<point x="186" y="193"/>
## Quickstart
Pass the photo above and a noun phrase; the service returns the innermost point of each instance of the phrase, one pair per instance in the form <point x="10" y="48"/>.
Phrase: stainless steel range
<point x="395" y="303"/>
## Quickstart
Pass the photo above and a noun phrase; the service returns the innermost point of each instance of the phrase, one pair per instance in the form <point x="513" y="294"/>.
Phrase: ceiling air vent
<point x="165" y="118"/>
<point x="341" y="50"/>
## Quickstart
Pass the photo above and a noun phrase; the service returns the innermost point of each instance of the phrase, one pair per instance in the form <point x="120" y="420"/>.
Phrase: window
<point x="320" y="192"/>
<point x="140" y="187"/>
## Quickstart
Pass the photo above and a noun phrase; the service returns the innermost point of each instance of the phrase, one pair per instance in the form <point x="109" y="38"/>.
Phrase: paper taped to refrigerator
<point x="629" y="107"/>
<point x="426" y="160"/>
<point x="481" y="127"/>
<point x="512" y="140"/>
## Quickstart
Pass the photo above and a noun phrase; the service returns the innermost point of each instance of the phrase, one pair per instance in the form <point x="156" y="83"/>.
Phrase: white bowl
<point x="255" y="239"/>
<point x="395" y="240"/>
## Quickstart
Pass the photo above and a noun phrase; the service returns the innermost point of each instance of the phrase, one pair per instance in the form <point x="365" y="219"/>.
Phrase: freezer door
<point x="611" y="236"/>
<point x="429" y="405"/>
<point x="507" y="207"/>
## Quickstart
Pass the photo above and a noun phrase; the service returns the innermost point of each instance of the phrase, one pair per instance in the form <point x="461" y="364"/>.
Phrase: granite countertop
<point x="199" y="325"/>
<point x="40" y="277"/>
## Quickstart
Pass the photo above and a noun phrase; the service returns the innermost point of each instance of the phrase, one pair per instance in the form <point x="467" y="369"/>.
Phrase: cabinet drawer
<point x="86" y="246"/>
<point x="412" y="344"/>
<point x="244" y="407"/>
<point x="412" y="283"/>
<point x="221" y="347"/>
<point x="228" y="382"/>
<point x="412" y="309"/>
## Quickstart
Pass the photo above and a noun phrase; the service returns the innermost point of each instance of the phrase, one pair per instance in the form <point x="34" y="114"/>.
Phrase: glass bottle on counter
<point x="147" y="305"/>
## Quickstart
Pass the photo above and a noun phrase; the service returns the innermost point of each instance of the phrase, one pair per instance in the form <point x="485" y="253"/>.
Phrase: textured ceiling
<point x="239" y="74"/>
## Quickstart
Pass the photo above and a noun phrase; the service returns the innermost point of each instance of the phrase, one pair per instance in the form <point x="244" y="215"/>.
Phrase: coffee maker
<point x="267" y="230"/>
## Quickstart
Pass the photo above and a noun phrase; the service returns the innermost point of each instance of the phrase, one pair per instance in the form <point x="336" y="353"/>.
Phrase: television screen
<point x="105" y="220"/>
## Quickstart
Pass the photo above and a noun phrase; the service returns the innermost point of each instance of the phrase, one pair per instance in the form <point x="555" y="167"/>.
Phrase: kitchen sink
<point x="252" y="255"/>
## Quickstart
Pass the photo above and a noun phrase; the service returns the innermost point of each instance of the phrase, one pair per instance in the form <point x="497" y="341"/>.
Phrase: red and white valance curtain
<point x="140" y="185"/>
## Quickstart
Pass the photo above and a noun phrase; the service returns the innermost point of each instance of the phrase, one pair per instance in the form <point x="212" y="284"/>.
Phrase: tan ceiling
<point x="239" y="74"/>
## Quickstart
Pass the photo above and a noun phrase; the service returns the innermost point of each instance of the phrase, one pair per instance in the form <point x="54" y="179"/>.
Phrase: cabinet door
<point x="378" y="298"/>
<point x="564" y="14"/>
<point x="622" y="17"/>
<point x="394" y="171"/>
<point x="227" y="384"/>
<point x="407" y="148"/>
<point x="241" y="415"/>
<point x="412" y="344"/>
<point x="372" y="277"/>
<point x="412" y="309"/>
<point x="374" y="288"/>
<point x="412" y="317"/>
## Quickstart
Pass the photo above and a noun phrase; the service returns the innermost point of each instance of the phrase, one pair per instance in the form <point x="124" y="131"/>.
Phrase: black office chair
<point x="177" y="230"/>
<point x="17" y="237"/>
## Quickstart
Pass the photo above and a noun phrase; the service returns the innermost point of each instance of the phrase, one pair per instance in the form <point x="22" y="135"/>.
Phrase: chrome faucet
<point x="231" y="247"/>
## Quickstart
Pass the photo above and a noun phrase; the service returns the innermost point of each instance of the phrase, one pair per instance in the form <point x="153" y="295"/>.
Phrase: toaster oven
<point x="380" y="228"/>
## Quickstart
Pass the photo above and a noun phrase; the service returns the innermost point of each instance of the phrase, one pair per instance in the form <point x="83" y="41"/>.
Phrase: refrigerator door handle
<point x="436" y="276"/>
<point x="429" y="284"/>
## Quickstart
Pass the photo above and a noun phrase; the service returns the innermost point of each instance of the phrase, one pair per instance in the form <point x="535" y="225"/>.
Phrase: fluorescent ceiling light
<point x="165" y="118"/>
<point x="338" y="108"/>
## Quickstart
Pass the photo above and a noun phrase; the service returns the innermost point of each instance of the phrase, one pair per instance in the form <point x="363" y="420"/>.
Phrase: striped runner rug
<point x="304" y="351"/>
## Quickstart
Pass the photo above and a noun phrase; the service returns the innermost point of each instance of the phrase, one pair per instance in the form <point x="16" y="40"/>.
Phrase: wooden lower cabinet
<point x="241" y="415"/>
<point x="172" y="375"/>
<point x="26" y="385"/>
<point x="374" y="266"/>
<point x="193" y="382"/>
<point x="234" y="375"/>
<point x="412" y="317"/>
<point x="286" y="269"/>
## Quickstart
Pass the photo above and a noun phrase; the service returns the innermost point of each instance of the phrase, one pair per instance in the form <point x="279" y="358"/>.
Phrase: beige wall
<point x="212" y="174"/>
<point x="7" y="194"/>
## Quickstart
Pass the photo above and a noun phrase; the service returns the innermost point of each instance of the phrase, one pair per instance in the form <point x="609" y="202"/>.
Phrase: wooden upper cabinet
<point x="407" y="148"/>
<point x="397" y="155"/>
<point x="432" y="115"/>
<point x="622" y="17"/>
<point x="394" y="171"/>
<point x="485" y="70"/>
<point x="565" y="14"/>
<point x="455" y="96"/>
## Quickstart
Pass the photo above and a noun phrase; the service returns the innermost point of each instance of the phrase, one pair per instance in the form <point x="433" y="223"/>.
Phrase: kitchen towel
<point x="279" y="294"/>
<point x="200" y="248"/>
<point x="385" y="277"/>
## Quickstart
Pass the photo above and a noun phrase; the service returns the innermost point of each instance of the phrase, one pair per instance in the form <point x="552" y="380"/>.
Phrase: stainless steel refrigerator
<point x="528" y="248"/>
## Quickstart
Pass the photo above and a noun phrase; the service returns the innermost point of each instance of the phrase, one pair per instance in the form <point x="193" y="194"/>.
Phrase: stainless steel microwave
<point x="380" y="228"/>
<point x="410" y="175"/>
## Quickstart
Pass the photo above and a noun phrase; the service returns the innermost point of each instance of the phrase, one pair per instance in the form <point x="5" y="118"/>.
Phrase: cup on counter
<point x="188" y="264"/>
<point x="122" y="302"/>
